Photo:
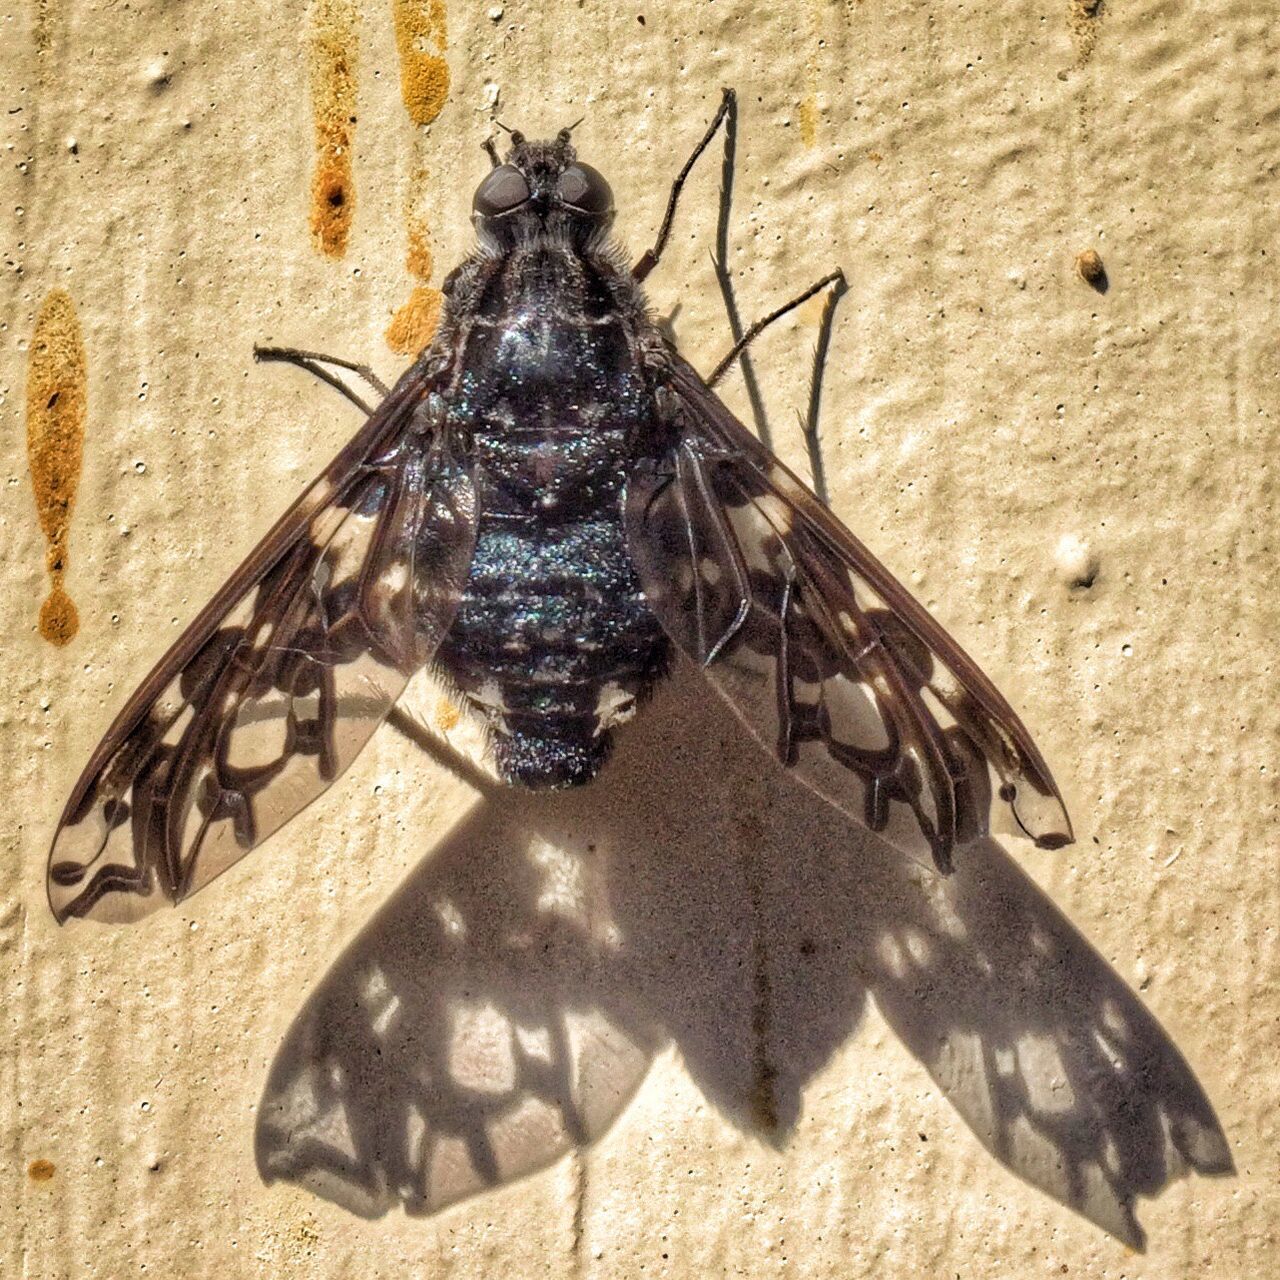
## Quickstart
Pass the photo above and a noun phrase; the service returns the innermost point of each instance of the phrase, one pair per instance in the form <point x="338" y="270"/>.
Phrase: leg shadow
<point x="506" y="1003"/>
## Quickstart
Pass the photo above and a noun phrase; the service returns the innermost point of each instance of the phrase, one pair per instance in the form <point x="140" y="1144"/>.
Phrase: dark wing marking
<point x="819" y="649"/>
<point x="274" y="688"/>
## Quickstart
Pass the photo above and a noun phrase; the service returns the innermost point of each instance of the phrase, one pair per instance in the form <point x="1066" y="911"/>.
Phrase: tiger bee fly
<point x="547" y="503"/>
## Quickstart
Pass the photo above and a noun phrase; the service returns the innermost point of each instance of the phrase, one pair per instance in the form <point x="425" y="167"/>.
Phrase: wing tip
<point x="1042" y="816"/>
<point x="55" y="879"/>
<point x="1055" y="839"/>
<point x="111" y="894"/>
<point x="59" y="913"/>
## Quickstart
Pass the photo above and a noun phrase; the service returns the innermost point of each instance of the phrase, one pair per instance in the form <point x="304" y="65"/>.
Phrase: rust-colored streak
<point x="57" y="406"/>
<point x="1083" y="17"/>
<point x="41" y="1170"/>
<point x="447" y="715"/>
<point x="809" y="120"/>
<point x="424" y="73"/>
<point x="810" y="109"/>
<point x="414" y="324"/>
<point x="424" y="86"/>
<point x="334" y="41"/>
<point x="419" y="259"/>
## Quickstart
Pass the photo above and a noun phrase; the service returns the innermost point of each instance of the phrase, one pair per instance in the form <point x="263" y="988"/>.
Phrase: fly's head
<point x="541" y="187"/>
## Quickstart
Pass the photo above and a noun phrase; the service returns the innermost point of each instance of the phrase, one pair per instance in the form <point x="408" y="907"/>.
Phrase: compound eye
<point x="503" y="190"/>
<point x="582" y="187"/>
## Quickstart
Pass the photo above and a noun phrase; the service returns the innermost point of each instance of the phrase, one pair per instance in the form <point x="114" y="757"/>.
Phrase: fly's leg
<point x="836" y="285"/>
<point x="742" y="339"/>
<point x="813" y="443"/>
<point x="724" y="278"/>
<point x="443" y="752"/>
<point x="836" y="279"/>
<point x="292" y="355"/>
<point x="726" y="115"/>
<point x="314" y="362"/>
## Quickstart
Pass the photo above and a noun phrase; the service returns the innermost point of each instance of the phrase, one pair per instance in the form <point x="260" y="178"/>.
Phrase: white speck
<point x="157" y="73"/>
<point x="1076" y="560"/>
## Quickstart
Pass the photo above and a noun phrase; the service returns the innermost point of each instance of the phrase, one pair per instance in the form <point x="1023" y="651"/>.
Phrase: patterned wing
<point x="271" y="692"/>
<point x="819" y="650"/>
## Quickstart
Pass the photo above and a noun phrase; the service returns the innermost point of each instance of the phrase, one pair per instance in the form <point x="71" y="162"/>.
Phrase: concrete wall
<point x="796" y="1054"/>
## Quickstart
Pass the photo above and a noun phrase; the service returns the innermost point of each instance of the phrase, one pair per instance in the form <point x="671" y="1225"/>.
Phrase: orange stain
<point x="334" y="41"/>
<point x="419" y="259"/>
<point x="41" y="1170"/>
<point x="424" y="73"/>
<point x="813" y="311"/>
<point x="424" y="86"/>
<point x="447" y="715"/>
<point x="1083" y="17"/>
<point x="809" y="120"/>
<point x="810" y="110"/>
<point x="57" y="408"/>
<point x="414" y="324"/>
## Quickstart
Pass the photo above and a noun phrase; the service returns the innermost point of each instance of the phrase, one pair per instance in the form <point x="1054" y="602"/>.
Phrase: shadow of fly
<point x="547" y="508"/>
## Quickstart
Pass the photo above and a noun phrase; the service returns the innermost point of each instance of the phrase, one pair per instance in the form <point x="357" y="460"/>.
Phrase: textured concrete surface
<point x="856" y="1069"/>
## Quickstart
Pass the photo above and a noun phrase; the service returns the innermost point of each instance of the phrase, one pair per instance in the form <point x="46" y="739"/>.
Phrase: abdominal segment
<point x="554" y="645"/>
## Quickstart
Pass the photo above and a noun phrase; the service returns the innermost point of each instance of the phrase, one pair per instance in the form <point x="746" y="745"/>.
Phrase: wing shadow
<point x="507" y="1001"/>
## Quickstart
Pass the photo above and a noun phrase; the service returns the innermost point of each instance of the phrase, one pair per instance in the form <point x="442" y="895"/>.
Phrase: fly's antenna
<point x="517" y="138"/>
<point x="563" y="136"/>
